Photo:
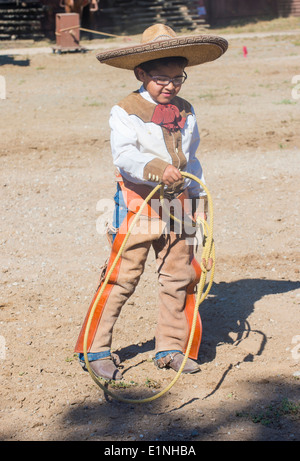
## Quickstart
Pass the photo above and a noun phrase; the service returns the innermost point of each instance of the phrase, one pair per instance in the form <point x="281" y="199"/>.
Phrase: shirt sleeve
<point x="125" y="152"/>
<point x="194" y="166"/>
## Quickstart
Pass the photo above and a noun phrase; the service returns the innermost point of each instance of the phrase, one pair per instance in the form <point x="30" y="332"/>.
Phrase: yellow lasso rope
<point x="208" y="252"/>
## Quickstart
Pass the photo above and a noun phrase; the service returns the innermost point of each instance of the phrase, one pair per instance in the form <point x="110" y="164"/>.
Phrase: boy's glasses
<point x="164" y="81"/>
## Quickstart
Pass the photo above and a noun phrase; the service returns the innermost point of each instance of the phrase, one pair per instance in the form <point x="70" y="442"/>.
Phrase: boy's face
<point x="162" y="94"/>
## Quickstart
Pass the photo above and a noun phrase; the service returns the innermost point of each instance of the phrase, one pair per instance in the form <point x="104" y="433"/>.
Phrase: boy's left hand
<point x="201" y="216"/>
<point x="209" y="264"/>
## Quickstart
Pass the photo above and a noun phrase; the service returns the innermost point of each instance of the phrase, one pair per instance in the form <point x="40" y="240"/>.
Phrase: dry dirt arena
<point x="56" y="168"/>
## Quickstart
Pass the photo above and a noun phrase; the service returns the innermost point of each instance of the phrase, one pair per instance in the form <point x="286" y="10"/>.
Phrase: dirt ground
<point x="55" y="168"/>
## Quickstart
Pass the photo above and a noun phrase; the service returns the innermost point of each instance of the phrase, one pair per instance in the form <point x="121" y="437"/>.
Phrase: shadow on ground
<point x="11" y="60"/>
<point x="225" y="312"/>
<point x="271" y="418"/>
<point x="275" y="412"/>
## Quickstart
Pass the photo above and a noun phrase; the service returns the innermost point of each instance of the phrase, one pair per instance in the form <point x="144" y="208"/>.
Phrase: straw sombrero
<point x="160" y="41"/>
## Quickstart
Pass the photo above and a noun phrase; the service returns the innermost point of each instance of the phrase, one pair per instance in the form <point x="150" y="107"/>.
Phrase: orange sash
<point x="112" y="280"/>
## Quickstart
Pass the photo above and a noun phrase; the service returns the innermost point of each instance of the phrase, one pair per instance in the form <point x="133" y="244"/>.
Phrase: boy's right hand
<point x="171" y="175"/>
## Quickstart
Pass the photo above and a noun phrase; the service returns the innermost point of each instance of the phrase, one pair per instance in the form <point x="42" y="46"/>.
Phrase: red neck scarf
<point x="168" y="116"/>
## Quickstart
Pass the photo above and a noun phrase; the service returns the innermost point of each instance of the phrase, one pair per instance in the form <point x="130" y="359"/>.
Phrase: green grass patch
<point x="272" y="414"/>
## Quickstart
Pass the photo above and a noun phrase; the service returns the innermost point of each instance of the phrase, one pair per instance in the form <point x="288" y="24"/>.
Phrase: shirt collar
<point x="144" y="93"/>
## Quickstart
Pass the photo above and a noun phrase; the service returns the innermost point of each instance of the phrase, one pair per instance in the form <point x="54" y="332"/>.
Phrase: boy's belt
<point x="135" y="194"/>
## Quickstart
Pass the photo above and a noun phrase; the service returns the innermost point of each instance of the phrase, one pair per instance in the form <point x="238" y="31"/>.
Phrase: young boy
<point x="154" y="136"/>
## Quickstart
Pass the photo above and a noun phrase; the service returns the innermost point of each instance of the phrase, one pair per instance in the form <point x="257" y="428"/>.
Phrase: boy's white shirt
<point x="135" y="143"/>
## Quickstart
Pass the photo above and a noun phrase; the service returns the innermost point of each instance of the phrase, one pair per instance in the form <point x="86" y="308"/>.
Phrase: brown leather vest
<point x="135" y="104"/>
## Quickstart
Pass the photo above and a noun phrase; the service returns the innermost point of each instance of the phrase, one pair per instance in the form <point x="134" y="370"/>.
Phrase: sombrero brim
<point x="196" y="49"/>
